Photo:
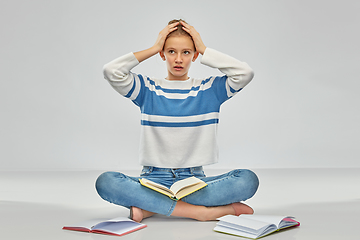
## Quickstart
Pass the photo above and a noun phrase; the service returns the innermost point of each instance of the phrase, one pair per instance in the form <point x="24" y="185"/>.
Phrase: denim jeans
<point x="234" y="186"/>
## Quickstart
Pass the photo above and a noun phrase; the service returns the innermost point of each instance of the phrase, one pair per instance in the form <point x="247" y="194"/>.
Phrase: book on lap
<point x="116" y="226"/>
<point x="253" y="226"/>
<point x="178" y="190"/>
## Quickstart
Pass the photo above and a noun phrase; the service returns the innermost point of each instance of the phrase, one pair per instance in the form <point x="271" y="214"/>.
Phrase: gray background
<point x="58" y="113"/>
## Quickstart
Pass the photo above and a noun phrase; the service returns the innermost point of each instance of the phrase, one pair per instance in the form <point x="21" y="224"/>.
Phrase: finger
<point x="173" y="24"/>
<point x="187" y="26"/>
<point x="172" y="29"/>
<point x="168" y="29"/>
<point x="184" y="23"/>
<point x="187" y="30"/>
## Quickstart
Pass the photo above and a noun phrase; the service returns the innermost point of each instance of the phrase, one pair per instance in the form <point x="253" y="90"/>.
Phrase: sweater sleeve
<point x="238" y="74"/>
<point x="117" y="72"/>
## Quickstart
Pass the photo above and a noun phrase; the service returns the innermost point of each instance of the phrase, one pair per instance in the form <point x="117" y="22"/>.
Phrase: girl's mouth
<point x="178" y="68"/>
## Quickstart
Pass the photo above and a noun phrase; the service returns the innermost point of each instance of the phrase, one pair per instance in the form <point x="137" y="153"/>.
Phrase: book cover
<point x="116" y="226"/>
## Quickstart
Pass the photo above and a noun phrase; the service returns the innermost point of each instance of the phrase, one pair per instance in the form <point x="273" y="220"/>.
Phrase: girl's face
<point x="178" y="53"/>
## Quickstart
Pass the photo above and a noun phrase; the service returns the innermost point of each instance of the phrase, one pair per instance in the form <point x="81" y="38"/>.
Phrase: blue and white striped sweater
<point x="179" y="118"/>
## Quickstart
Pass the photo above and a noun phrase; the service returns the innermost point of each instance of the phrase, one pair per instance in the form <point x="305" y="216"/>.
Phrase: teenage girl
<point x="179" y="118"/>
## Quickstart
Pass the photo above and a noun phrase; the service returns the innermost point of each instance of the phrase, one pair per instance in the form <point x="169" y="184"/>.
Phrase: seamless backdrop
<point x="58" y="113"/>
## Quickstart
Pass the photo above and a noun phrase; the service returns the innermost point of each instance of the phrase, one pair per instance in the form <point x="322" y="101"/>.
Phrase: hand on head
<point x="198" y="43"/>
<point x="174" y="25"/>
<point x="160" y="41"/>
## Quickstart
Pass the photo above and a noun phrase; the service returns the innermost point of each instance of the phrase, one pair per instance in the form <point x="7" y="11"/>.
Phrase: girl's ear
<point x="196" y="54"/>
<point x="162" y="55"/>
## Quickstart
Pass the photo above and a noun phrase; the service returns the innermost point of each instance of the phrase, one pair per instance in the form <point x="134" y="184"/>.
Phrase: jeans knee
<point x="254" y="179"/>
<point x="249" y="178"/>
<point x="105" y="181"/>
<point x="101" y="182"/>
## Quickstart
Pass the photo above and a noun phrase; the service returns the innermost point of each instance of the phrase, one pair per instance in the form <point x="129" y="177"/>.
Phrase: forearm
<point x="145" y="54"/>
<point x="239" y="73"/>
<point x="117" y="72"/>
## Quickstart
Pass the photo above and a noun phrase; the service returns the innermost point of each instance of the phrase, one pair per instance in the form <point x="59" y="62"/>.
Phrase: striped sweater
<point x="179" y="119"/>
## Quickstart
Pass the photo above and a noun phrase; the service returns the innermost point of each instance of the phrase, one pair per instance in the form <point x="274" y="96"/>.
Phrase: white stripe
<point x="137" y="87"/>
<point x="196" y="118"/>
<point x="159" y="92"/>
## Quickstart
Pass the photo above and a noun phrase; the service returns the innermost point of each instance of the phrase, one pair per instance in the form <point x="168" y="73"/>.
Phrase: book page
<point x="288" y="222"/>
<point x="265" y="218"/>
<point x="232" y="231"/>
<point x="118" y="226"/>
<point x="153" y="185"/>
<point x="243" y="222"/>
<point x="176" y="187"/>
<point x="253" y="226"/>
<point x="188" y="190"/>
<point x="87" y="224"/>
<point x="245" y="226"/>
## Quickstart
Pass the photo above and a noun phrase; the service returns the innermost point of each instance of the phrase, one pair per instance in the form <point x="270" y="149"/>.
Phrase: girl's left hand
<point x="199" y="45"/>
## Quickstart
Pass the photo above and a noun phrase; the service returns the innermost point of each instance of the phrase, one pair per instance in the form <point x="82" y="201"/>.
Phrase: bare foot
<point x="202" y="213"/>
<point x="241" y="208"/>
<point x="138" y="214"/>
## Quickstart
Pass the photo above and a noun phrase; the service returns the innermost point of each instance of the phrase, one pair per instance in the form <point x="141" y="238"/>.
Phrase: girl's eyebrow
<point x="176" y="49"/>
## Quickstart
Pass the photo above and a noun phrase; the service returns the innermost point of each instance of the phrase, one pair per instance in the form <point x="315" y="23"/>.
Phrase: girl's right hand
<point x="159" y="44"/>
<point x="160" y="41"/>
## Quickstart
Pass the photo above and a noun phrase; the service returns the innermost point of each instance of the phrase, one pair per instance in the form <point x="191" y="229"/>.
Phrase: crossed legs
<point x="200" y="213"/>
<point x="222" y="196"/>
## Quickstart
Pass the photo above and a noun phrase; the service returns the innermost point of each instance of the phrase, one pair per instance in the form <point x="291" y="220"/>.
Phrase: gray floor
<point x="35" y="205"/>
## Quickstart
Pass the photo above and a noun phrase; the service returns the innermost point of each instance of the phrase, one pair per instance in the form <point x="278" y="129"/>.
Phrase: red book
<point x="117" y="226"/>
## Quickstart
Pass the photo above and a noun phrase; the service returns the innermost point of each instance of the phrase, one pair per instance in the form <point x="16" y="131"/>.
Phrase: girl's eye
<point x="171" y="51"/>
<point x="186" y="52"/>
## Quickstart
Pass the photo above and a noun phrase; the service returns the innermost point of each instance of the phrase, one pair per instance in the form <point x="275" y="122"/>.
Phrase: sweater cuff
<point x="210" y="57"/>
<point x="133" y="62"/>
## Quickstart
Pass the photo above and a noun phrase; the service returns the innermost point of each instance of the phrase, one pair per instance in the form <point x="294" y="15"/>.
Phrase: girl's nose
<point x="178" y="58"/>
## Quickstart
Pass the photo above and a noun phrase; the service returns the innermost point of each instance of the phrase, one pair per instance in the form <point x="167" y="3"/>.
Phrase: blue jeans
<point x="234" y="186"/>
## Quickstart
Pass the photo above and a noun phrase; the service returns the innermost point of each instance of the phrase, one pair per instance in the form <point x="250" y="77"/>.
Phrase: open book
<point x="117" y="226"/>
<point x="178" y="190"/>
<point x="253" y="226"/>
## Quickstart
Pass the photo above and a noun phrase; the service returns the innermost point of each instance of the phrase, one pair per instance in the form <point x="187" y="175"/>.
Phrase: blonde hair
<point x="179" y="31"/>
